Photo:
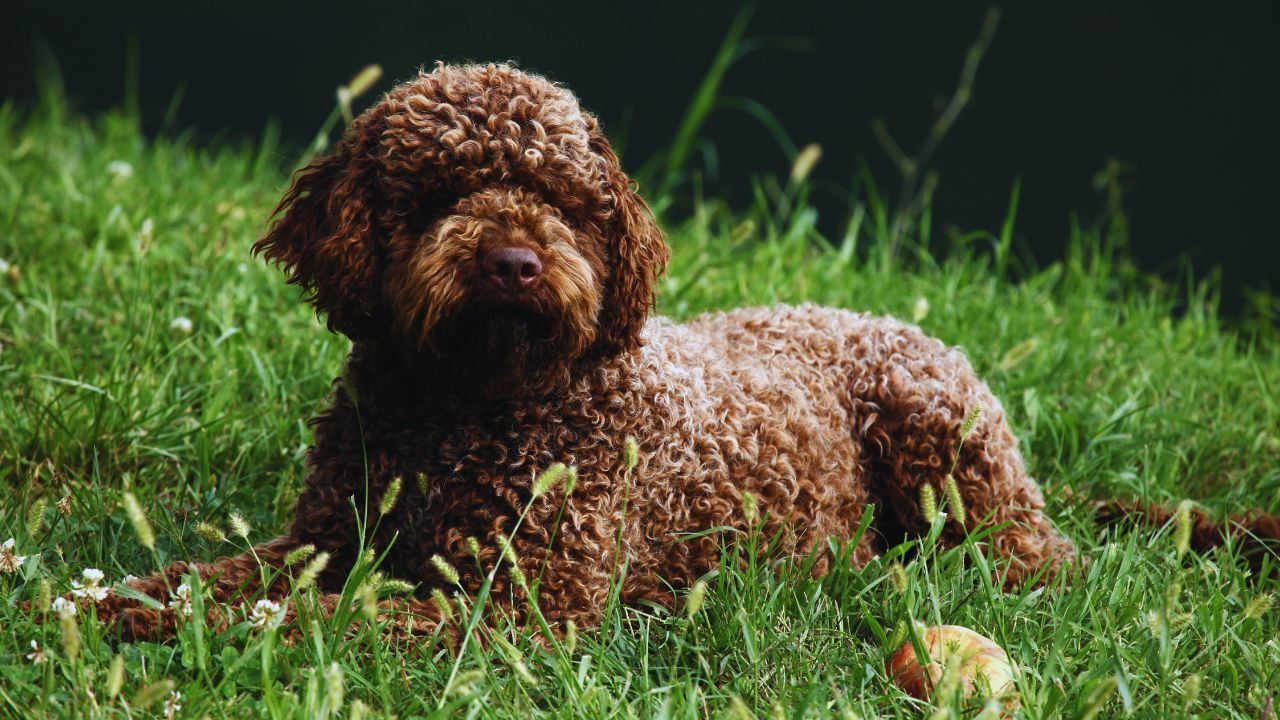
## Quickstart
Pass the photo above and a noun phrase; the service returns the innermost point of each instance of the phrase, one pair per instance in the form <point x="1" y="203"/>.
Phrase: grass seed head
<point x="955" y="503"/>
<point x="518" y="578"/>
<point x="70" y="634"/>
<point x="389" y="498"/>
<point x="138" y="519"/>
<point x="368" y="598"/>
<point x="334" y="687"/>
<point x="1259" y="606"/>
<point x="992" y="709"/>
<point x="462" y="682"/>
<point x="210" y="532"/>
<point x="697" y="595"/>
<point x="805" y="161"/>
<point x="750" y="508"/>
<point x="570" y="636"/>
<point x="508" y="552"/>
<point x="364" y="80"/>
<point x="1182" y="528"/>
<point x="1098" y="697"/>
<point x="300" y="553"/>
<point x="473" y="546"/>
<point x="1018" y="353"/>
<point x="630" y="453"/>
<point x="1190" y="691"/>
<point x="239" y="526"/>
<point x="115" y="677"/>
<point x="898" y="636"/>
<point x="549" y="478"/>
<point x="1156" y="623"/>
<point x="739" y="710"/>
<point x="920" y="310"/>
<point x="447" y="571"/>
<point x="44" y="595"/>
<point x="970" y="421"/>
<point x="742" y="232"/>
<point x="928" y="503"/>
<point x="396" y="586"/>
<point x="35" y="517"/>
<point x="442" y="604"/>
<point x="151" y="693"/>
<point x="898" y="577"/>
<point x="522" y="671"/>
<point x="311" y="571"/>
<point x="146" y="234"/>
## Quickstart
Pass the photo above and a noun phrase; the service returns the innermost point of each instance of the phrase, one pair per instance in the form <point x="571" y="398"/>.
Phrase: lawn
<point x="142" y="350"/>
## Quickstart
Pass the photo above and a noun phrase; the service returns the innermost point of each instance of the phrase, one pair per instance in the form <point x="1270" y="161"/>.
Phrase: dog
<point x="475" y="237"/>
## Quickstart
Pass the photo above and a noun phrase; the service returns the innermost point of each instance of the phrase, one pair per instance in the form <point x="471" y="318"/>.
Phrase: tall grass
<point x="143" y="351"/>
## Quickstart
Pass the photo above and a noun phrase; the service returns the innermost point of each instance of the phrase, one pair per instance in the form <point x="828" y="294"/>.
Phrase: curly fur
<point x="466" y="392"/>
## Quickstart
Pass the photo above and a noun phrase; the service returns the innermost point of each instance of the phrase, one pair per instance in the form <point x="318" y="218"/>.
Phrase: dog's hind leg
<point x="913" y="395"/>
<point x="227" y="580"/>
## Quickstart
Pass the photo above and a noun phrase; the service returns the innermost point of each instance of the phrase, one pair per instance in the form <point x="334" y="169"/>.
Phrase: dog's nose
<point x="511" y="268"/>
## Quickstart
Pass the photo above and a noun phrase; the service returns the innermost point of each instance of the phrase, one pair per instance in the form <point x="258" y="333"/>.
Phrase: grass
<point x="1117" y="384"/>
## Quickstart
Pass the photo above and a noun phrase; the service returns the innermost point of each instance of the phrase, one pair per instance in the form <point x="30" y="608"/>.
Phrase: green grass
<point x="1116" y="383"/>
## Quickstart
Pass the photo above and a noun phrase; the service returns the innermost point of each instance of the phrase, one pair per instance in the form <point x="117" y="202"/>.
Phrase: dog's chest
<point x="504" y="450"/>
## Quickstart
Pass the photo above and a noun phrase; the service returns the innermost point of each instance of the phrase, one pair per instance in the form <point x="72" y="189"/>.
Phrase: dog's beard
<point x="495" y="352"/>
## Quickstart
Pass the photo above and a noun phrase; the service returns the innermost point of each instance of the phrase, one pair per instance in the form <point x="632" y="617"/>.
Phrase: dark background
<point x="1187" y="94"/>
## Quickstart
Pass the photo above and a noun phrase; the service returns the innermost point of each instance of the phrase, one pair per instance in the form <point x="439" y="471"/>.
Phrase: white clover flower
<point x="172" y="704"/>
<point x="181" y="325"/>
<point x="180" y="600"/>
<point x="120" y="169"/>
<point x="10" y="561"/>
<point x="92" y="585"/>
<point x="266" y="613"/>
<point x="128" y="579"/>
<point x="4" y="266"/>
<point x="36" y="656"/>
<point x="63" y="607"/>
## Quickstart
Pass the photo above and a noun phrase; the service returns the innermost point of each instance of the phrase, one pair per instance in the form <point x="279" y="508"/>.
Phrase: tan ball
<point x="983" y="666"/>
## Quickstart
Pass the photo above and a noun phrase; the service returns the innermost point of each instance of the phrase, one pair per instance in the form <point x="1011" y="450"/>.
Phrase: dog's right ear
<point x="325" y="240"/>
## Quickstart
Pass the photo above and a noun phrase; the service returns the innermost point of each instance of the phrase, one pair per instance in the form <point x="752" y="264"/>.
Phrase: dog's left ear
<point x="637" y="258"/>
<point x="324" y="237"/>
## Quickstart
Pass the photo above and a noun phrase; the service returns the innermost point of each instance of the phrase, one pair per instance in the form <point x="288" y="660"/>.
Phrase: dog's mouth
<point x="497" y="350"/>
<point x="489" y="330"/>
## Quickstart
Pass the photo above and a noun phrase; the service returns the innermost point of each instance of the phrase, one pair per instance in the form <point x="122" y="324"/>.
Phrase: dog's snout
<point x="511" y="268"/>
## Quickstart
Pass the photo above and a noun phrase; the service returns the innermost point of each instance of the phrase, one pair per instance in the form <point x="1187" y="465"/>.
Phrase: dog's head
<point x="478" y="217"/>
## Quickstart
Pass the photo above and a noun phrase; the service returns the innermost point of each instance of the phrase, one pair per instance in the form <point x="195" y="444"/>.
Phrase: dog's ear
<point x="325" y="240"/>
<point x="638" y="256"/>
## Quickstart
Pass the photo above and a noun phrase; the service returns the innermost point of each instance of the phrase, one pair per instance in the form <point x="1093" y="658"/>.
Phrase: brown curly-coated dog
<point x="475" y="237"/>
